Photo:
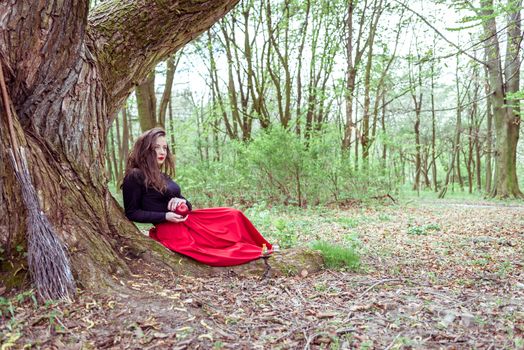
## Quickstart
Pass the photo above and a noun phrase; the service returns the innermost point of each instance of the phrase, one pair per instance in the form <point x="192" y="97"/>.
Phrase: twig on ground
<point x="312" y="338"/>
<point x="393" y="342"/>
<point x="376" y="284"/>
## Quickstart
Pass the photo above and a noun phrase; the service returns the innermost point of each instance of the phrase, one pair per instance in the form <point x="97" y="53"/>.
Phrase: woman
<point x="213" y="236"/>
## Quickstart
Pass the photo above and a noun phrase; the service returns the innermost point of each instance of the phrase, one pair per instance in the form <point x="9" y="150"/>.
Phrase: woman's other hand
<point x="174" y="202"/>
<point x="172" y="217"/>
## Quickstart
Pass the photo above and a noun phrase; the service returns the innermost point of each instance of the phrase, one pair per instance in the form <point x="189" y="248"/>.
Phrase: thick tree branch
<point x="129" y="37"/>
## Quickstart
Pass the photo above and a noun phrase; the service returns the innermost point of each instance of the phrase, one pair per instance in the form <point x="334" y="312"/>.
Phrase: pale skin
<point x="161" y="154"/>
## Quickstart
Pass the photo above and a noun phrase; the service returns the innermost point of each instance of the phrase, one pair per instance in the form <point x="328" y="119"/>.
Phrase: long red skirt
<point x="213" y="236"/>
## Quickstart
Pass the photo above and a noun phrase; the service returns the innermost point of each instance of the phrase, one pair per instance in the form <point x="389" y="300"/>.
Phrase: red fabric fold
<point x="213" y="236"/>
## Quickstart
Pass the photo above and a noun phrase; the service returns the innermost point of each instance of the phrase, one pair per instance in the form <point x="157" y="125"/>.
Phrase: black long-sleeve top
<point x="146" y="204"/>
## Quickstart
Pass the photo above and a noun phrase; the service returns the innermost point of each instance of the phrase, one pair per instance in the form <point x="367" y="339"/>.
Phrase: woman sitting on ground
<point x="213" y="236"/>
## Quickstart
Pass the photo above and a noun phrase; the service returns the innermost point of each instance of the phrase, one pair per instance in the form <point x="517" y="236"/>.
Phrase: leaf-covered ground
<point x="445" y="275"/>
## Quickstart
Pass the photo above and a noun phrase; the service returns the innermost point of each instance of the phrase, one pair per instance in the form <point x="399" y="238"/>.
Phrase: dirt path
<point x="433" y="276"/>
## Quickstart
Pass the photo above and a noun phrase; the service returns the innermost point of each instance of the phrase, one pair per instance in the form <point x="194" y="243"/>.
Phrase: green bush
<point x="278" y="167"/>
<point x="214" y="184"/>
<point x="285" y="235"/>
<point x="278" y="164"/>
<point x="337" y="256"/>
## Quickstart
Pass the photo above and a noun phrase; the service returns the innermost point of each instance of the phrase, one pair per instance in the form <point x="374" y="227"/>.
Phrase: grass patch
<point x="287" y="226"/>
<point x="423" y="230"/>
<point x="348" y="222"/>
<point x="337" y="256"/>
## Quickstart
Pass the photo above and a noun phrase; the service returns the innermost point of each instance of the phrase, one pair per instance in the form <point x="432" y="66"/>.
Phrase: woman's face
<point x="160" y="148"/>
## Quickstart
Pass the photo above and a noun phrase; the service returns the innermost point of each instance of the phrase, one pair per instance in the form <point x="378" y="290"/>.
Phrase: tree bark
<point x="234" y="104"/>
<point x="469" y="162"/>
<point x="113" y="154"/>
<point x="125" y="138"/>
<point x="365" y="142"/>
<point x="299" y="68"/>
<point x="118" y="151"/>
<point x="458" y="146"/>
<point x="504" y="81"/>
<point x="473" y="164"/>
<point x="417" y="102"/>
<point x="166" y="95"/>
<point x="489" y="136"/>
<point x="433" y="128"/>
<point x="67" y="77"/>
<point x="215" y="90"/>
<point x="256" y="77"/>
<point x="146" y="103"/>
<point x="383" y="128"/>
<point x="454" y="150"/>
<point x="353" y="62"/>
<point x="283" y="88"/>
<point x="478" y="159"/>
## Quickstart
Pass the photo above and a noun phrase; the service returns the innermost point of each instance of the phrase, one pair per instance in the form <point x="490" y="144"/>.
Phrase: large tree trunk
<point x="504" y="81"/>
<point x="507" y="135"/>
<point x="67" y="77"/>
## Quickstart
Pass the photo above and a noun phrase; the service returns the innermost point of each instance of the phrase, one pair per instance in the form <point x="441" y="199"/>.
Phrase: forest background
<point x="309" y="102"/>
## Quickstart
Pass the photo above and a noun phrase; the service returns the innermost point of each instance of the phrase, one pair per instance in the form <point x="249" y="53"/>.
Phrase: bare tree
<point x="355" y="48"/>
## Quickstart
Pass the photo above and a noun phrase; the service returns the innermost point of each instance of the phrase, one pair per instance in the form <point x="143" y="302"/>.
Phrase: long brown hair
<point x="144" y="158"/>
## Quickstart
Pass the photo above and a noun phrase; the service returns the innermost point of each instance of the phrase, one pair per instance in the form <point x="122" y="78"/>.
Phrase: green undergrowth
<point x="287" y="227"/>
<point x="453" y="195"/>
<point x="14" y="312"/>
<point x="338" y="256"/>
<point x="8" y="306"/>
<point x="12" y="315"/>
<point x="334" y="232"/>
<point x="423" y="230"/>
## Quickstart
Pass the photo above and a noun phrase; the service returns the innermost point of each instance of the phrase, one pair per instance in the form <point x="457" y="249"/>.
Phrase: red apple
<point x="182" y="209"/>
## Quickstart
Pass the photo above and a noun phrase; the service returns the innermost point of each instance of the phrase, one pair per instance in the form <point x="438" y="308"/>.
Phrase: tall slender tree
<point x="355" y="47"/>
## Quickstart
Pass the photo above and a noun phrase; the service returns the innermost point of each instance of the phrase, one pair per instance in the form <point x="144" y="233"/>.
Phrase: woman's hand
<point x="172" y="217"/>
<point x="174" y="202"/>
